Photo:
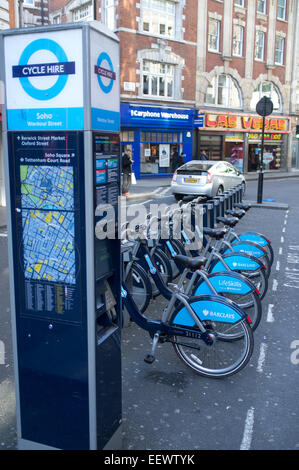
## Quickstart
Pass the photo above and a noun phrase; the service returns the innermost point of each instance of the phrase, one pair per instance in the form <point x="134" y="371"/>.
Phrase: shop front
<point x="156" y="136"/>
<point x="237" y="138"/>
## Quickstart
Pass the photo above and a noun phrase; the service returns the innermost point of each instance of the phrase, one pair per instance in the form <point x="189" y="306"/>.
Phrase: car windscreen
<point x="194" y="168"/>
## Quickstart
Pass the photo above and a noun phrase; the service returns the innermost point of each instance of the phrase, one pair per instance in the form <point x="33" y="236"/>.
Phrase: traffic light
<point x="297" y="132"/>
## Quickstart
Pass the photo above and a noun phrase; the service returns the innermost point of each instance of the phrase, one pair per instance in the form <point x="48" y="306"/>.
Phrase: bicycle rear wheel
<point x="223" y="358"/>
<point x="257" y="238"/>
<point x="247" y="299"/>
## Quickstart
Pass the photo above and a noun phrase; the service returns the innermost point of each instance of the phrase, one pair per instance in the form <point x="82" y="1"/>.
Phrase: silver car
<point x="205" y="178"/>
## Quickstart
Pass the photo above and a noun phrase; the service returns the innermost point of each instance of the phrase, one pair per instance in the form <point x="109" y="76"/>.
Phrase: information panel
<point x="46" y="191"/>
<point x="106" y="148"/>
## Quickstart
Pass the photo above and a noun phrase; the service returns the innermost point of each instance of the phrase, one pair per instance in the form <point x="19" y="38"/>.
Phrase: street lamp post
<point x="264" y="107"/>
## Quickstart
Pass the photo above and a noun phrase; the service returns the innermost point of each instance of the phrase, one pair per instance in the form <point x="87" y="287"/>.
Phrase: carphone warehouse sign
<point x="44" y="81"/>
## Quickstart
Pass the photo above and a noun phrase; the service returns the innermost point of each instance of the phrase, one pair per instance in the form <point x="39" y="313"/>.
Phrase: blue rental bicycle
<point x="198" y="327"/>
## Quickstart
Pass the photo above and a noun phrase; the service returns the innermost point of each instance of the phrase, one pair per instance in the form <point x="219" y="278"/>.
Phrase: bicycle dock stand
<point x="227" y="201"/>
<point x="209" y="221"/>
<point x="219" y="205"/>
<point x="150" y="358"/>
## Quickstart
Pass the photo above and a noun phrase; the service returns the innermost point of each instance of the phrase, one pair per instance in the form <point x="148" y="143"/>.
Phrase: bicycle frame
<point x="161" y="327"/>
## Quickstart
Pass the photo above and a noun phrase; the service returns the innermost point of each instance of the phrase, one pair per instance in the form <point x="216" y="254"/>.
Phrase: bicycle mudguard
<point x="247" y="247"/>
<point x="237" y="262"/>
<point x="253" y="237"/>
<point x="208" y="307"/>
<point x="223" y="282"/>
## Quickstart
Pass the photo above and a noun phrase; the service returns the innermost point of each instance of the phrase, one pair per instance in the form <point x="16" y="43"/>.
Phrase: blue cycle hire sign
<point x="47" y="78"/>
<point x="104" y="72"/>
<point x="62" y="69"/>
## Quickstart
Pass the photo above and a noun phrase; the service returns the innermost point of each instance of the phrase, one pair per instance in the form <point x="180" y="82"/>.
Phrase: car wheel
<point x="219" y="191"/>
<point x="178" y="197"/>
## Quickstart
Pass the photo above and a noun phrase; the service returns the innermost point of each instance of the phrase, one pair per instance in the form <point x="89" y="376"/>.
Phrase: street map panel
<point x="48" y="223"/>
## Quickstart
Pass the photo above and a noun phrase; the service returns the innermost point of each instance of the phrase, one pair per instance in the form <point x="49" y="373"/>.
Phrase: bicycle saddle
<point x="236" y="213"/>
<point x="230" y="221"/>
<point x="189" y="262"/>
<point x="216" y="233"/>
<point x="244" y="207"/>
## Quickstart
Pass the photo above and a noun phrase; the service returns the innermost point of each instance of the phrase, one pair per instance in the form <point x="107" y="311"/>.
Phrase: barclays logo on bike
<point x="222" y="315"/>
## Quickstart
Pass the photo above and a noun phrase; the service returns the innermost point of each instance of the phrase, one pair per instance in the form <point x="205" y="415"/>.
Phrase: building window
<point x="259" y="45"/>
<point x="157" y="79"/>
<point x="261" y="6"/>
<point x="238" y="40"/>
<point x="155" y="145"/>
<point x="223" y="91"/>
<point x="281" y="9"/>
<point x="109" y="14"/>
<point x="214" y="34"/>
<point x="279" y="48"/>
<point x="240" y="3"/>
<point x="158" y="17"/>
<point x="82" y="13"/>
<point x="266" y="89"/>
<point x="29" y="3"/>
<point x="56" y="19"/>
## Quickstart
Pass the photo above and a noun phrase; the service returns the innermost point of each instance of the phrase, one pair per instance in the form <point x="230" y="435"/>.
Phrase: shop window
<point x="271" y="156"/>
<point x="212" y="144"/>
<point x="266" y="89"/>
<point x="157" y="151"/>
<point x="223" y="91"/>
<point x="127" y="136"/>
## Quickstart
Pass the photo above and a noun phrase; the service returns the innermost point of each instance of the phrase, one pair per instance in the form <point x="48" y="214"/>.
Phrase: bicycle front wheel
<point x="258" y="278"/>
<point x="221" y="359"/>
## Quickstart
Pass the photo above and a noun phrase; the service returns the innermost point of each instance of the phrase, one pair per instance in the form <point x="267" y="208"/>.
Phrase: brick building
<point x="245" y="51"/>
<point x="191" y="77"/>
<point x="158" y="80"/>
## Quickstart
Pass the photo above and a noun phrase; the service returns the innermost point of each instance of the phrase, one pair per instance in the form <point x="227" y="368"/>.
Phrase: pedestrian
<point x="203" y="155"/>
<point x="127" y="171"/>
<point x="177" y="160"/>
<point x="182" y="158"/>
